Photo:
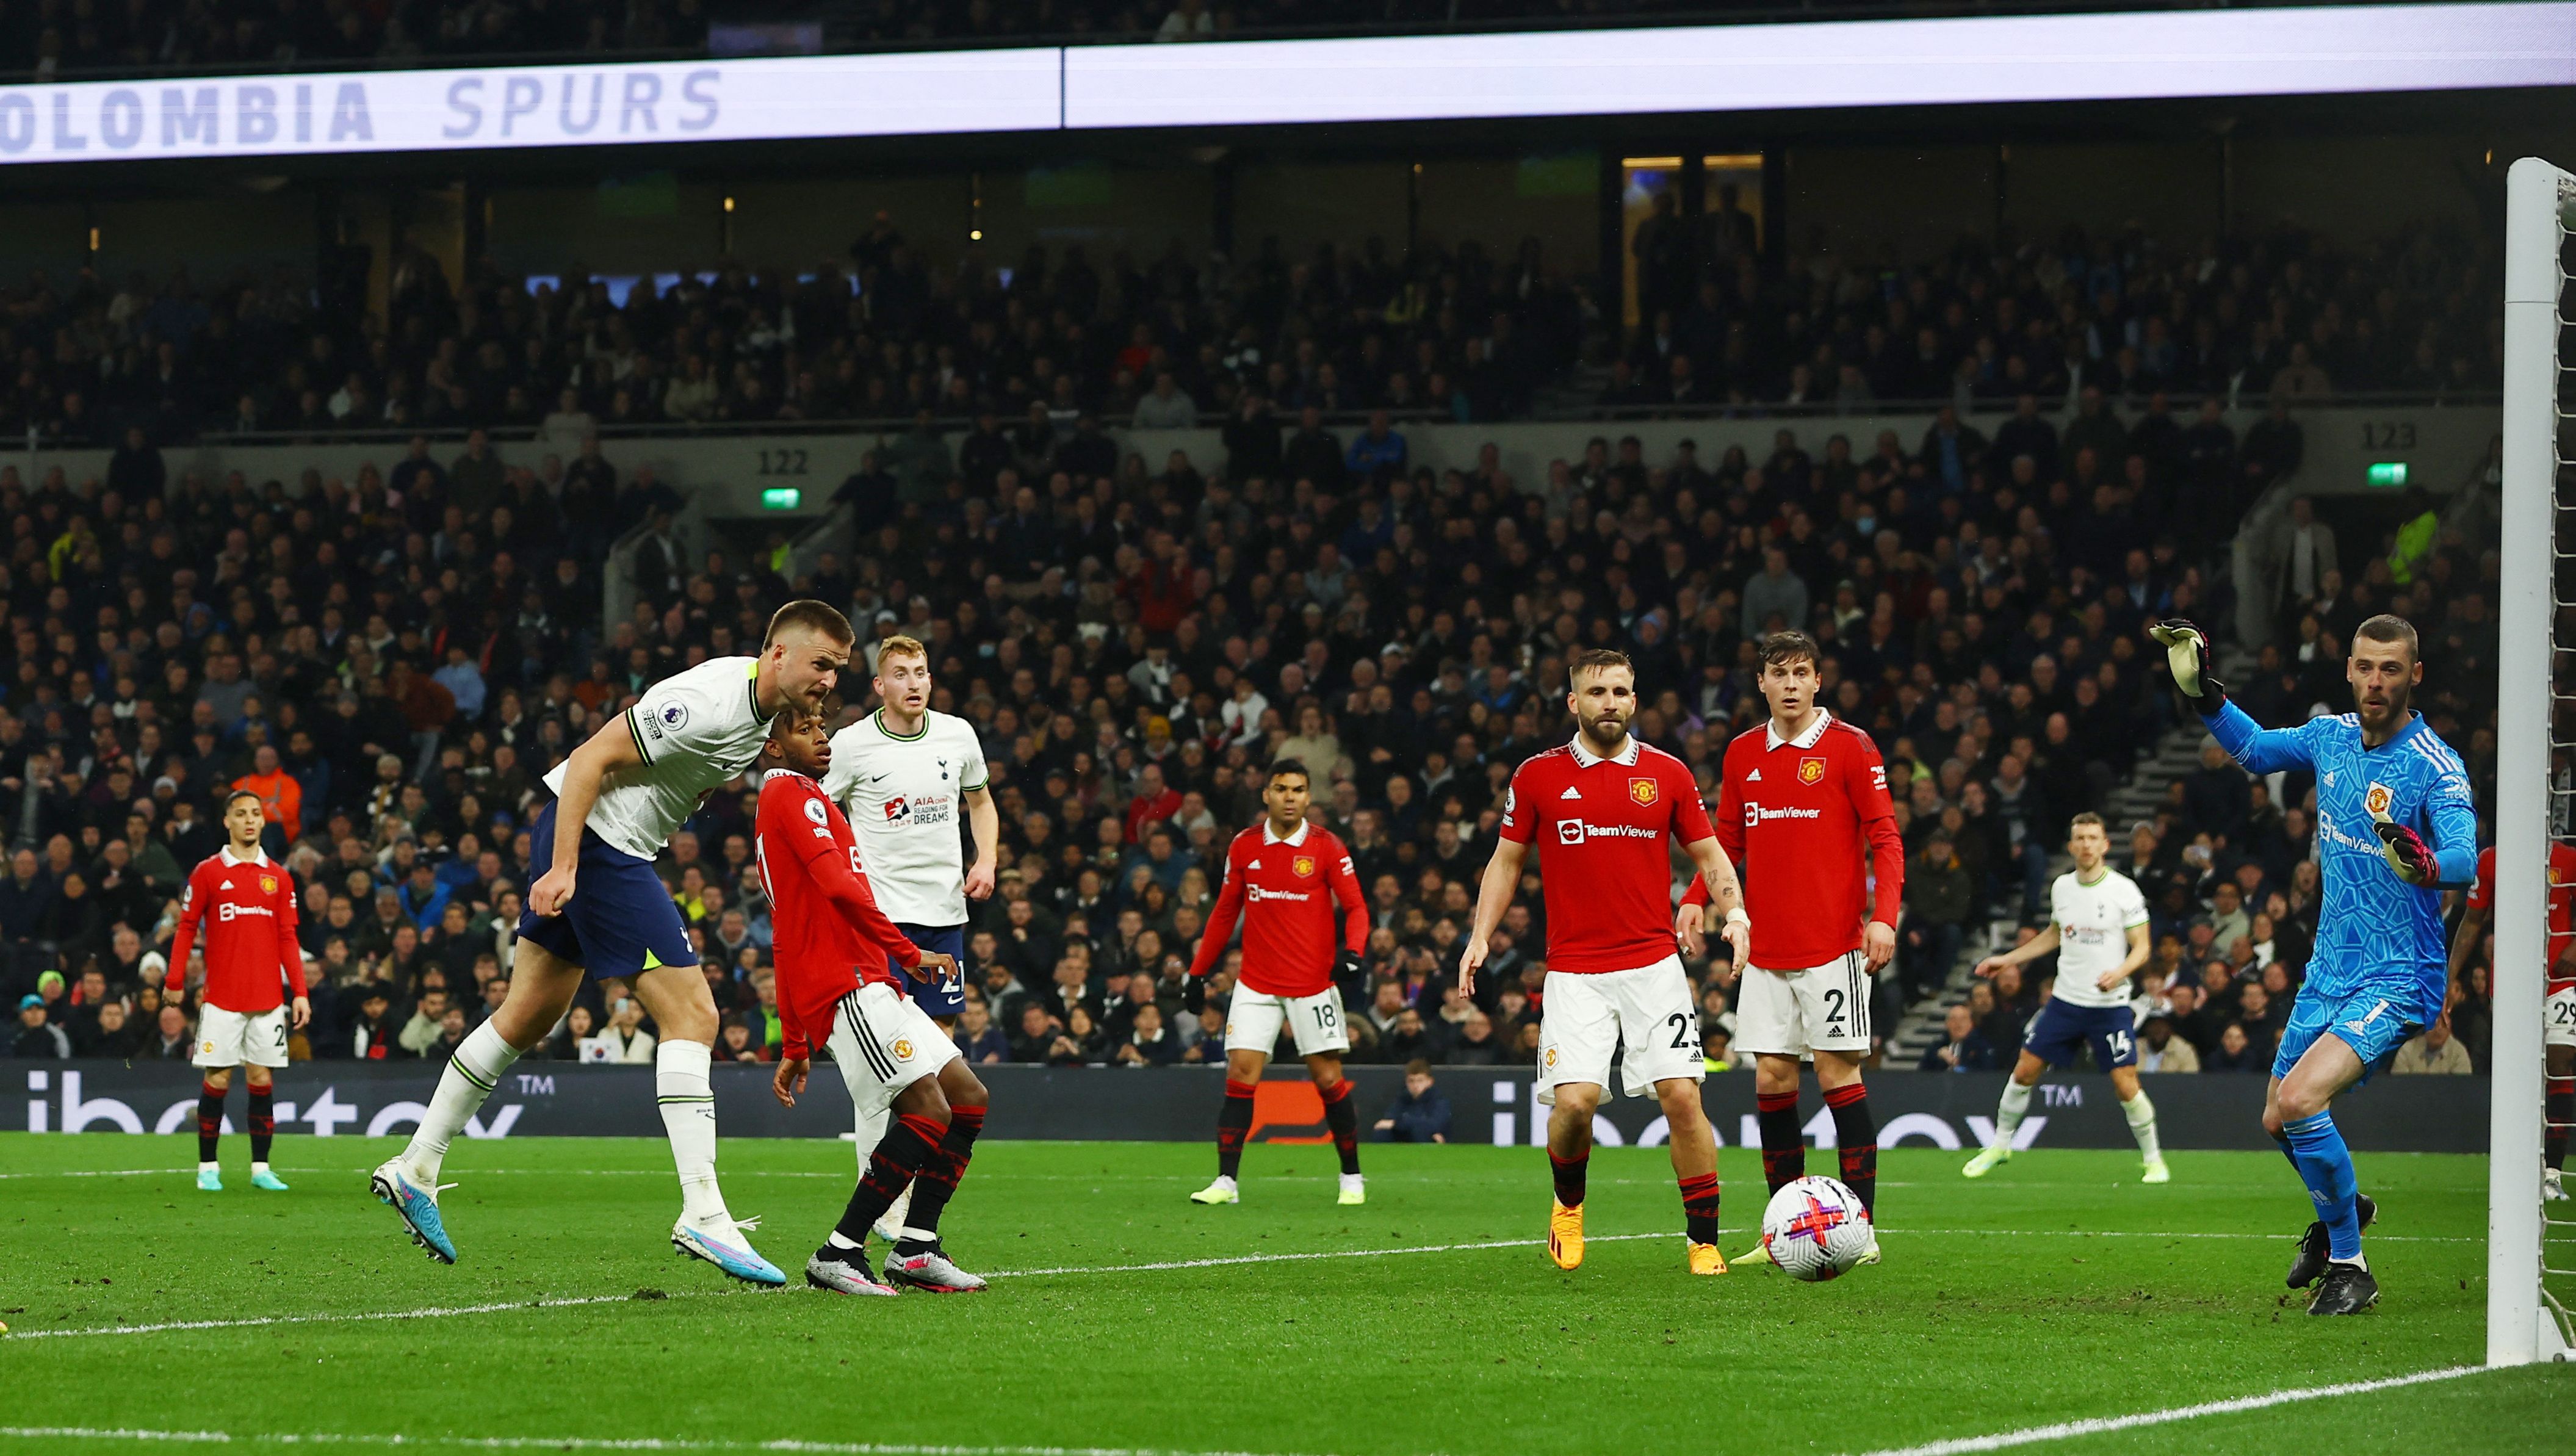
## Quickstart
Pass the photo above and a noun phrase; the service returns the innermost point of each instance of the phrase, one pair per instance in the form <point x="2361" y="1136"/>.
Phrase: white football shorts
<point x="1791" y="1013"/>
<point x="884" y="1043"/>
<point x="233" y="1038"/>
<point x="1253" y="1018"/>
<point x="1647" y="1011"/>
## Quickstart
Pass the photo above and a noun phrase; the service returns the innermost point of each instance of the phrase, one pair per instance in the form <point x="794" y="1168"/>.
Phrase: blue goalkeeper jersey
<point x="2374" y="928"/>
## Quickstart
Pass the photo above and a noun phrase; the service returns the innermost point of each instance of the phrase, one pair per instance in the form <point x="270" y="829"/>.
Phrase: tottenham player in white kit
<point x="598" y="909"/>
<point x="903" y="776"/>
<point x="2098" y="927"/>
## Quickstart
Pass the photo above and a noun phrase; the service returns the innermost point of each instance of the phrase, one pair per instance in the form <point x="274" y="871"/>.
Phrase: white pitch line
<point x="573" y="1443"/>
<point x="1156" y="1266"/>
<point x="2066" y="1430"/>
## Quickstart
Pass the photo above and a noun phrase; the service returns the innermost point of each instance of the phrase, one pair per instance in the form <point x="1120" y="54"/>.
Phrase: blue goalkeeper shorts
<point x="2373" y="1019"/>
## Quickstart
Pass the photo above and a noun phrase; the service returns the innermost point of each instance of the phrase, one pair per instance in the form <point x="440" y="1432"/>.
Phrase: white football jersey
<point x="2093" y="923"/>
<point x="697" y="730"/>
<point x="905" y="798"/>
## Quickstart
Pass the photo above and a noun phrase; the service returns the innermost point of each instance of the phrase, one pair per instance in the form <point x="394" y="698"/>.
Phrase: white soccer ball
<point x="1815" y="1229"/>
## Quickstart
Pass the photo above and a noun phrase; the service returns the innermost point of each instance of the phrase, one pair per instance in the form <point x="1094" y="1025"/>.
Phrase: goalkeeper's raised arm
<point x="2255" y="748"/>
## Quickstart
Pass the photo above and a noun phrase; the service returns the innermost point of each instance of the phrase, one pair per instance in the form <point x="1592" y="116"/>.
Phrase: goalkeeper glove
<point x="1350" y="976"/>
<point x="2187" y="653"/>
<point x="2406" y="851"/>
<point x="1194" y="994"/>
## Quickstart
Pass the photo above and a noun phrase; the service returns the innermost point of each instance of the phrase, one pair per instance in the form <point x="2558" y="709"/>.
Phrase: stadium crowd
<point x="393" y="660"/>
<point x="1463" y="332"/>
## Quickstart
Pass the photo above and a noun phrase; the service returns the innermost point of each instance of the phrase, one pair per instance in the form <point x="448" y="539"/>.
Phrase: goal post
<point x="2524" y="1323"/>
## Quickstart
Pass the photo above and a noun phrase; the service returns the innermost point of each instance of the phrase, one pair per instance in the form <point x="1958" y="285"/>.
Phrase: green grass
<point x="2055" y="1290"/>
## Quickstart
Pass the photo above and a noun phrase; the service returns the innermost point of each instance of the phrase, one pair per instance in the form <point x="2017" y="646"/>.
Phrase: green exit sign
<point x="788" y="497"/>
<point x="2386" y="472"/>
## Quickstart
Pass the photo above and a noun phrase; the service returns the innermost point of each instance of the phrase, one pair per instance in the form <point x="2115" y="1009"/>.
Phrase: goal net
<point x="2531" y="1245"/>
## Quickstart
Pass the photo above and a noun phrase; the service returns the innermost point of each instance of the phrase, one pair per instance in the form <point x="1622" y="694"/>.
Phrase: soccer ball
<point x="1815" y="1229"/>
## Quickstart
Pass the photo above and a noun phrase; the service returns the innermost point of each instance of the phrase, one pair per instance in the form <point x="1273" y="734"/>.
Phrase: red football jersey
<point x="2562" y="906"/>
<point x="1812" y="817"/>
<point x="1285" y="890"/>
<point x="825" y="945"/>
<point x="251" y="950"/>
<point x="1601" y="826"/>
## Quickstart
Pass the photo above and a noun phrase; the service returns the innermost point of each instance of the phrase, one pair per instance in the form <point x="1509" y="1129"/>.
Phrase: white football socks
<point x="2142" y="1124"/>
<point x="470" y="1077"/>
<point x="689" y="1116"/>
<point x="2008" y="1114"/>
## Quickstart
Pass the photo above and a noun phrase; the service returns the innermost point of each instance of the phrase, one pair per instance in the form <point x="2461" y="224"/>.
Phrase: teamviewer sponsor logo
<point x="1756" y="813"/>
<point x="1256" y="892"/>
<point x="1575" y="831"/>
<point x="230" y="911"/>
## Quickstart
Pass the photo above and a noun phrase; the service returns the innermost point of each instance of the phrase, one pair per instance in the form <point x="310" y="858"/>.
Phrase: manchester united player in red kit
<point x="832" y="949"/>
<point x="1600" y="809"/>
<point x="1803" y="799"/>
<point x="245" y="902"/>
<point x="2558" y="1012"/>
<point x="1283" y="876"/>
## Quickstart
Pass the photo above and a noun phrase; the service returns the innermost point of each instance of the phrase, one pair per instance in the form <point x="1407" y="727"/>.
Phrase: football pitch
<point x="2056" y="1291"/>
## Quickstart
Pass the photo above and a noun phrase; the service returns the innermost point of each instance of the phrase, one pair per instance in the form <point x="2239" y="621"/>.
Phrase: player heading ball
<point x="1599" y="810"/>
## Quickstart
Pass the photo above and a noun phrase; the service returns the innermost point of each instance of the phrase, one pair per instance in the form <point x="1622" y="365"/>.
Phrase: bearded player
<point x="2395" y="823"/>
<point x="2558" y="1016"/>
<point x="599" y="909"/>
<point x="1283" y="877"/>
<point x="834" y="987"/>
<point x="1601" y="808"/>
<point x="245" y="903"/>
<point x="908" y="777"/>
<point x="1803" y="800"/>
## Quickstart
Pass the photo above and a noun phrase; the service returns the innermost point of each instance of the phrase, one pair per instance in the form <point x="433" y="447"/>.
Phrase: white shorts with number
<point x="2558" y="1018"/>
<point x="1253" y="1018"/>
<point x="884" y="1043"/>
<point x="1647" y="1012"/>
<point x="232" y="1038"/>
<point x="1791" y="1013"/>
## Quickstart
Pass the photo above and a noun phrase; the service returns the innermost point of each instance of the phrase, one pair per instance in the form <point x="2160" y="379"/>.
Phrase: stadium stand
<point x="395" y="657"/>
<point x="1463" y="332"/>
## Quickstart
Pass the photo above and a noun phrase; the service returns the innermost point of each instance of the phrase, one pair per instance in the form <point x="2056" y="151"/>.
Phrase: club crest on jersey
<point x="1303" y="866"/>
<point x="814" y="811"/>
<point x="2377" y="798"/>
<point x="268" y="884"/>
<point x="1644" y="791"/>
<point x="1810" y="770"/>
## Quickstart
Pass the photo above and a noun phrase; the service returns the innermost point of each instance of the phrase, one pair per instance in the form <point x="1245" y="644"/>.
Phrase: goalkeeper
<point x="2395" y="824"/>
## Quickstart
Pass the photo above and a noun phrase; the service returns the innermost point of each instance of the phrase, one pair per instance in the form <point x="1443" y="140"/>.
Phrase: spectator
<point x="2237" y="1053"/>
<point x="1148" y="1042"/>
<point x="1419" y="1113"/>
<point x="2434" y="1051"/>
<point x="1963" y="1048"/>
<point x="979" y="1041"/>
<point x="175" y="1040"/>
<point x="2160" y="1050"/>
<point x="38" y="1039"/>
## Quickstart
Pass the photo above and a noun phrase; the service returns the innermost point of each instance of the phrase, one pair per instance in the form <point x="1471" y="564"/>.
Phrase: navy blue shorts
<point x="620" y="920"/>
<point x="946" y="996"/>
<point x="2061" y="1027"/>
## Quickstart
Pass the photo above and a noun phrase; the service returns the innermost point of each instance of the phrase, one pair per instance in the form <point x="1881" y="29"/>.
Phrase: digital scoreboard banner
<point x="361" y="112"/>
<point x="1990" y="60"/>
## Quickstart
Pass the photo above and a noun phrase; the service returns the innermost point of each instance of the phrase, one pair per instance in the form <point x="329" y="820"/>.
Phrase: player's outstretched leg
<point x="1784" y="1149"/>
<point x="1343" y="1120"/>
<point x="210" y="1129"/>
<point x="1569" y="1158"/>
<point x="2008" y="1115"/>
<point x="920" y="1126"/>
<point x="263" y="1130"/>
<point x="918" y="1259"/>
<point x="541" y="990"/>
<point x="1233" y="1125"/>
<point x="1694" y="1153"/>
